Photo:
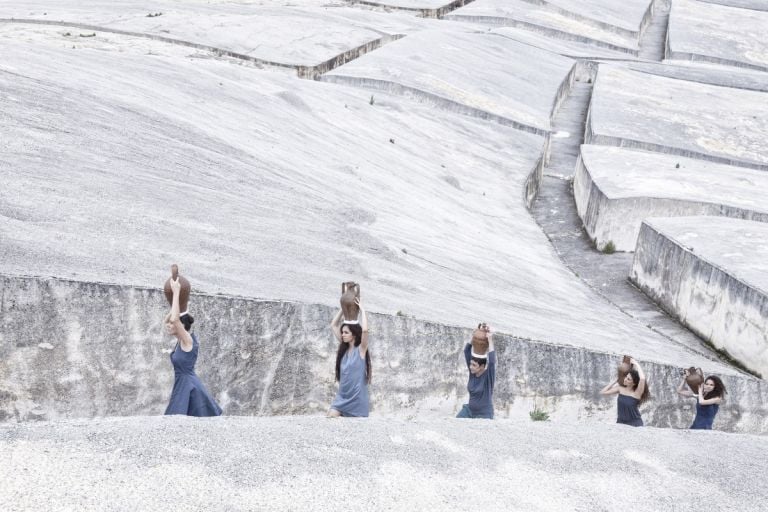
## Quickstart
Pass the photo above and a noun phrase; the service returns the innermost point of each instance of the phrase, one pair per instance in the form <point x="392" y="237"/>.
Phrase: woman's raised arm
<point x="364" y="325"/>
<point x="335" y="327"/>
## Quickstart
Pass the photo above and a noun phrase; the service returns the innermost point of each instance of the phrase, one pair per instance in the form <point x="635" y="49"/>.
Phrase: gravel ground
<point x="314" y="463"/>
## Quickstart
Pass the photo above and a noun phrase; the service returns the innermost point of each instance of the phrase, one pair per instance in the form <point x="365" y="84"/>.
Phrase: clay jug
<point x="694" y="379"/>
<point x="349" y="292"/>
<point x="183" y="293"/>
<point x="480" y="340"/>
<point x="623" y="369"/>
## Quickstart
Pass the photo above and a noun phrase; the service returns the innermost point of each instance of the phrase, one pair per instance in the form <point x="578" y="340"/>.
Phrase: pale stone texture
<point x="616" y="188"/>
<point x="298" y="464"/>
<point x="467" y="69"/>
<point x="305" y="33"/>
<point x="551" y="21"/>
<point x="104" y="354"/>
<point x="701" y="31"/>
<point x="712" y="274"/>
<point x="654" y="113"/>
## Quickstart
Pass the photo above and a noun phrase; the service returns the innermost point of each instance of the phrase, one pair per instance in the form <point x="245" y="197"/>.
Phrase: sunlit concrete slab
<point x="654" y="113"/>
<point x="616" y="188"/>
<point x="702" y="31"/>
<point x="305" y="33"/>
<point x="712" y="74"/>
<point x="565" y="47"/>
<point x="712" y="274"/>
<point x="263" y="185"/>
<point x="758" y="5"/>
<point x="490" y="75"/>
<point x="546" y="20"/>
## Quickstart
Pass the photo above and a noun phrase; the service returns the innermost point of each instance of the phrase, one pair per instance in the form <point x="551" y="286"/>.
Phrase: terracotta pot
<point x="480" y="340"/>
<point x="694" y="379"/>
<point x="186" y="288"/>
<point x="349" y="292"/>
<point x="623" y="369"/>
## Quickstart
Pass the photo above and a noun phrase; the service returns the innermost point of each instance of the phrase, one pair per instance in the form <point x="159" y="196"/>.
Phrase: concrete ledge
<point x="641" y="111"/>
<point x="719" y="34"/>
<point x="77" y="350"/>
<point x="615" y="189"/>
<point x="476" y="76"/>
<point x="712" y="274"/>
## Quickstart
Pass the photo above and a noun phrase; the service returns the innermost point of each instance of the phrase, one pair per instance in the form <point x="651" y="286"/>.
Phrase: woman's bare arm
<point x="681" y="388"/>
<point x="185" y="340"/>
<point x="335" y="328"/>
<point x="364" y="325"/>
<point x="611" y="388"/>
<point x="640" y="389"/>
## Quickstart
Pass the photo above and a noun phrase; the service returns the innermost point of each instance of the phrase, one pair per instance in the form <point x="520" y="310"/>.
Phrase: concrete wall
<point x="73" y="349"/>
<point x="714" y="304"/>
<point x="618" y="220"/>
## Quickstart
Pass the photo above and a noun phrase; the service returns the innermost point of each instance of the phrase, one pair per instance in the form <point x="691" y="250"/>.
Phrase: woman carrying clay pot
<point x="708" y="399"/>
<point x="353" y="366"/>
<point x="189" y="396"/>
<point x="631" y="393"/>
<point x="482" y="377"/>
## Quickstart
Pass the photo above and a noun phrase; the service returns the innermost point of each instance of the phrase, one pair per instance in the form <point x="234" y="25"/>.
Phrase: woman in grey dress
<point x="353" y="366"/>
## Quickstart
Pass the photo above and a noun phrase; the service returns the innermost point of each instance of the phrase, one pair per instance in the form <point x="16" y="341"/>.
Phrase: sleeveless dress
<point x="628" y="411"/>
<point x="189" y="396"/>
<point x="705" y="416"/>
<point x="352" y="397"/>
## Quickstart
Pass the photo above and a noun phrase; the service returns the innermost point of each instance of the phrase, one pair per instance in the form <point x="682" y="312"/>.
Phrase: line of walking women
<point x="353" y="370"/>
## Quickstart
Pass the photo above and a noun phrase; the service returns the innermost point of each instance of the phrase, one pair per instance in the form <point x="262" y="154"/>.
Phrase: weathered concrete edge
<point x="302" y="71"/>
<point x="428" y="97"/>
<point x="558" y="34"/>
<point x="669" y="298"/>
<point x="593" y="206"/>
<point x="565" y="379"/>
<point x="698" y="57"/>
<point x="437" y="13"/>
<point x="591" y="137"/>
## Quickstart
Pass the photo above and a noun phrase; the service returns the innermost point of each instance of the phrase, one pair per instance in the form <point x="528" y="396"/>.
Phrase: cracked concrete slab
<point x="555" y="23"/>
<point x="654" y="113"/>
<point x="616" y="188"/>
<point x="701" y="31"/>
<point x="306" y="33"/>
<point x="458" y="69"/>
<point x="712" y="274"/>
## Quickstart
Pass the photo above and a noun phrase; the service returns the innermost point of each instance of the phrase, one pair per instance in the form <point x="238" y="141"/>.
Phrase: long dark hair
<point x="636" y="382"/>
<point x="357" y="332"/>
<point x="719" y="390"/>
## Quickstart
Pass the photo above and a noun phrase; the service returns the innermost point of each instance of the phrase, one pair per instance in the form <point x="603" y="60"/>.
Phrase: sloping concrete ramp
<point x="616" y="188"/>
<point x="719" y="34"/>
<point x="642" y="111"/>
<point x="712" y="274"/>
<point x="317" y="464"/>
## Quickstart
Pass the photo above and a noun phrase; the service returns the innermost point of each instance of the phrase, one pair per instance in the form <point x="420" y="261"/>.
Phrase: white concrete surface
<point x="306" y="33"/>
<point x="317" y="464"/>
<point x="487" y="73"/>
<point x="654" y="113"/>
<point x="541" y="18"/>
<point x="261" y="184"/>
<point x="718" y="33"/>
<point x="711" y="273"/>
<point x="616" y="188"/>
